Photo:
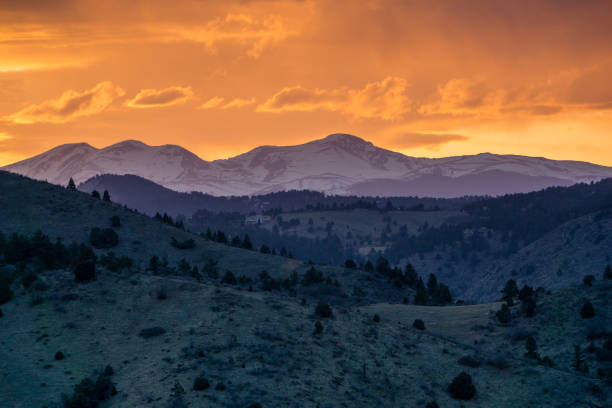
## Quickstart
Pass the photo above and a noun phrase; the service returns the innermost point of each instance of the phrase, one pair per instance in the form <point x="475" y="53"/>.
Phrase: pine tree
<point x="608" y="272"/>
<point x="246" y="242"/>
<point x="579" y="364"/>
<point x="106" y="196"/>
<point x="420" y="298"/>
<point x="95" y="194"/>
<point x="410" y="275"/>
<point x="432" y="285"/>
<point x="509" y="292"/>
<point x="71" y="185"/>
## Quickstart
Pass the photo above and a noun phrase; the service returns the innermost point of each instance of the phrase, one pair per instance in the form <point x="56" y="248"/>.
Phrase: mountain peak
<point x="344" y="138"/>
<point x="129" y="143"/>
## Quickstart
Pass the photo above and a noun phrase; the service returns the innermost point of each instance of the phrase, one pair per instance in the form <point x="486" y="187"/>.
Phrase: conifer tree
<point x="106" y="196"/>
<point x="71" y="185"/>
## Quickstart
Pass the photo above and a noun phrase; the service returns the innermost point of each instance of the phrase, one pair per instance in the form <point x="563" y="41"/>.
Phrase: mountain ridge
<point x="337" y="164"/>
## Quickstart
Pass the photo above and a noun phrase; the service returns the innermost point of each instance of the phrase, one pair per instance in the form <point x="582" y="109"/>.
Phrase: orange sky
<point x="427" y="78"/>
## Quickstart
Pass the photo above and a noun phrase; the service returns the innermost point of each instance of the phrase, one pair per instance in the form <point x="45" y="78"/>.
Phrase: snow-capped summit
<point x="337" y="164"/>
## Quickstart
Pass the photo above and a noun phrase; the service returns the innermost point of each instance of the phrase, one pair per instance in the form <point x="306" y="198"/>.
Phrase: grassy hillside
<point x="264" y="348"/>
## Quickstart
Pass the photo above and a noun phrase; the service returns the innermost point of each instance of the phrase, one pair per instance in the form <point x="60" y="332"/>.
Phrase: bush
<point x="376" y="318"/>
<point x="588" y="280"/>
<point x="85" y="271"/>
<point x="1" y="314"/>
<point x="469" y="361"/>
<point x="89" y="394"/>
<point x="229" y="278"/>
<point x="28" y="280"/>
<point x="608" y="272"/>
<point x="418" y="324"/>
<point x="186" y="244"/>
<point x="462" y="387"/>
<point x="114" y="263"/>
<point x="6" y="293"/>
<point x="350" y="264"/>
<point x="504" y="315"/>
<point x="318" y="327"/>
<point x="59" y="356"/>
<point x="587" y="311"/>
<point x="115" y="221"/>
<point x="103" y="238"/>
<point x="312" y="276"/>
<point x="152" y="332"/>
<point x="323" y="310"/>
<point x="200" y="384"/>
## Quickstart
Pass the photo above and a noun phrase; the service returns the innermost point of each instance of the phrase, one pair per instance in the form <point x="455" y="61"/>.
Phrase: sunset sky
<point x="427" y="78"/>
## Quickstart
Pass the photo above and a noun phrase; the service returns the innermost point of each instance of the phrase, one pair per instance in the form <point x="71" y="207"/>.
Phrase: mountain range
<point x="338" y="164"/>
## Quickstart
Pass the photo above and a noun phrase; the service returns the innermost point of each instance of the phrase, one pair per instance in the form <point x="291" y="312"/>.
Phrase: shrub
<point x="29" y="279"/>
<point x="103" y="238"/>
<point x="462" y="387"/>
<point x="323" y="310"/>
<point x="115" y="221"/>
<point x="350" y="264"/>
<point x="432" y="404"/>
<point x="608" y="272"/>
<point x="587" y="311"/>
<point x="229" y="278"/>
<point x="220" y="386"/>
<point x="1" y="314"/>
<point x="210" y="269"/>
<point x="588" y="280"/>
<point x="114" y="263"/>
<point x="59" y="356"/>
<point x="186" y="244"/>
<point x="318" y="327"/>
<point x="376" y="318"/>
<point x="469" y="361"/>
<point x="89" y="394"/>
<point x="6" y="293"/>
<point x="311" y="276"/>
<point x="95" y="194"/>
<point x="152" y="332"/>
<point x="528" y="306"/>
<point x="532" y="348"/>
<point x="85" y="271"/>
<point x="418" y="324"/>
<point x="504" y="315"/>
<point x="161" y="293"/>
<point x="200" y="384"/>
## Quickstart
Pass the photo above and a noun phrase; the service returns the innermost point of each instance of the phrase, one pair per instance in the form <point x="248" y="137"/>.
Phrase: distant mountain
<point x="338" y="164"/>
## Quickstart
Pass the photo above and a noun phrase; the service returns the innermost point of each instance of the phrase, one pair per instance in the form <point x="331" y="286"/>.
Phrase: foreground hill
<point x="168" y="339"/>
<point x="338" y="164"/>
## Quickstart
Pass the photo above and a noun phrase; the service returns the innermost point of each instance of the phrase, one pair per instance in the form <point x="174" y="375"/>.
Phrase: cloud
<point x="238" y="103"/>
<point x="217" y="102"/>
<point x="155" y="98"/>
<point x="426" y="140"/>
<point x="5" y="136"/>
<point x="256" y="34"/>
<point x="70" y="105"/>
<point x="464" y="97"/>
<point x="386" y="99"/>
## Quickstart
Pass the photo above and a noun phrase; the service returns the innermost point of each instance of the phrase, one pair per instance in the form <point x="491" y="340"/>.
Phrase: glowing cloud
<point x="234" y="28"/>
<point x="155" y="98"/>
<point x="70" y="105"/>
<point x="238" y="103"/>
<point x="217" y="102"/>
<point x="212" y="103"/>
<point x="386" y="99"/>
